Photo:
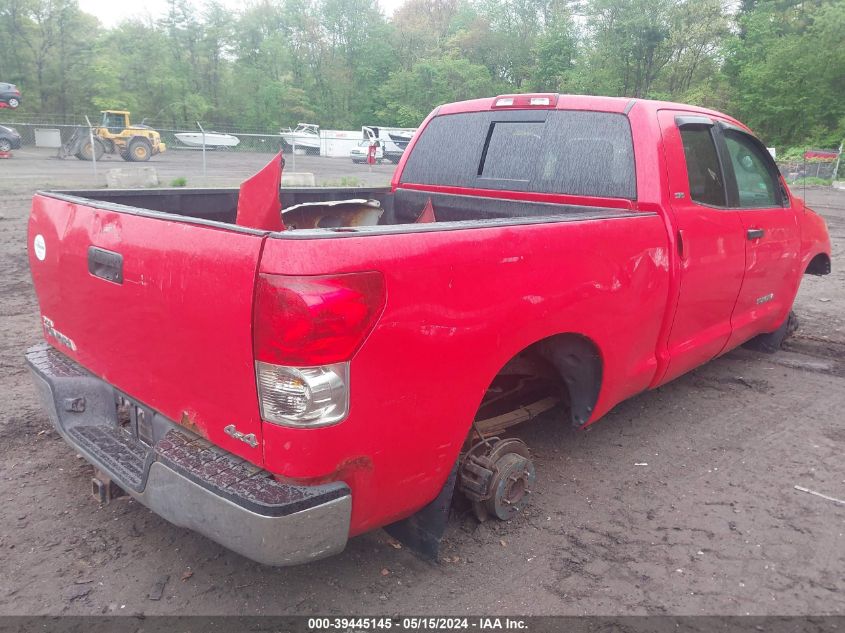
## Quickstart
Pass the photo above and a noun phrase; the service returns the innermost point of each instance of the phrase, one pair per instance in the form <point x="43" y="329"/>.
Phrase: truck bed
<point x="401" y="208"/>
<point x="214" y="205"/>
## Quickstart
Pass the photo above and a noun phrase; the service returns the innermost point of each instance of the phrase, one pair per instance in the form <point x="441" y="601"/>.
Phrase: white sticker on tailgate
<point x="39" y="246"/>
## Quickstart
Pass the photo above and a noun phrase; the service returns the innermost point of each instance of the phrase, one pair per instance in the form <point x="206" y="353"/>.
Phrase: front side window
<point x="114" y="122"/>
<point x="706" y="183"/>
<point x="756" y="187"/>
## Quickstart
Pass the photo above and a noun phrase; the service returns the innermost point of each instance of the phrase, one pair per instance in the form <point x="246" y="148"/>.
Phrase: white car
<point x="359" y="154"/>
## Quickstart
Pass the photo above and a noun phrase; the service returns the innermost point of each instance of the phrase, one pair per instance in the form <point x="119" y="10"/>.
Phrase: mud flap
<point x="422" y="532"/>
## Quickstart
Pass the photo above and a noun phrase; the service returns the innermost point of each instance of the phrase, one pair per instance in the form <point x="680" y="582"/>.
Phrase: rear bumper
<point x="183" y="477"/>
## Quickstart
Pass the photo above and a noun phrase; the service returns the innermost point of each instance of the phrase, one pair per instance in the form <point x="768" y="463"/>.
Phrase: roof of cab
<point x="621" y="105"/>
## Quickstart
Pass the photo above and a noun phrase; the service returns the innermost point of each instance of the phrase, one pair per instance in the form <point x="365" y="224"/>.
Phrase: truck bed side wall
<point x="218" y="205"/>
<point x="460" y="304"/>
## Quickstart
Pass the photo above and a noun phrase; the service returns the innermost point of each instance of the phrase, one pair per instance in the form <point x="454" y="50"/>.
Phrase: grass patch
<point x="346" y="181"/>
<point x="810" y="181"/>
<point x="179" y="182"/>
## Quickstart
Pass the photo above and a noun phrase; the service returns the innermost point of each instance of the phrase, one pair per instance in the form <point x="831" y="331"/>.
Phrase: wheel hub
<point x="497" y="476"/>
<point x="511" y="486"/>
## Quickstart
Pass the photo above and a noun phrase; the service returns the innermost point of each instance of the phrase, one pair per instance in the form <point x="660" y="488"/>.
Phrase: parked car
<point x="9" y="138"/>
<point x="280" y="390"/>
<point x="360" y="153"/>
<point x="10" y="95"/>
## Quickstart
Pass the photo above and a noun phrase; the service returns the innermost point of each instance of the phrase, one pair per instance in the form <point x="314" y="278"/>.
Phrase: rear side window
<point x="564" y="151"/>
<point x="706" y="184"/>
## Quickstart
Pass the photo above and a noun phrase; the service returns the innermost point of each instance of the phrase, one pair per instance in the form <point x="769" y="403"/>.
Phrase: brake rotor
<point x="497" y="476"/>
<point x="511" y="486"/>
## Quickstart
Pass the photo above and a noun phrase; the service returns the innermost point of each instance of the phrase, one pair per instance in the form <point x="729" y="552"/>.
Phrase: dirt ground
<point x="681" y="501"/>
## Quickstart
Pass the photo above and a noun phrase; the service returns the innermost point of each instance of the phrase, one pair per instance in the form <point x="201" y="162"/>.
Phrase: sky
<point x="111" y="12"/>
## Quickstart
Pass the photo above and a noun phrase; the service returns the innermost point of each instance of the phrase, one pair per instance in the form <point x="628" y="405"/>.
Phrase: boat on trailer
<point x="212" y="140"/>
<point x="306" y="136"/>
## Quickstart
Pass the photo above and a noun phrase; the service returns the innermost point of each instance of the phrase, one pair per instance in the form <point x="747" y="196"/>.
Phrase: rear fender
<point x="815" y="243"/>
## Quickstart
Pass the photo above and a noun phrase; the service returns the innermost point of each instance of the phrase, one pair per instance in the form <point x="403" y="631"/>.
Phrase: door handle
<point x="755" y="234"/>
<point x="105" y="264"/>
<point x="682" y="245"/>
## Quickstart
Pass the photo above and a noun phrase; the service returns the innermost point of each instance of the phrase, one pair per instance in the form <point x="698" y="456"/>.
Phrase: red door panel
<point x="711" y="246"/>
<point x="772" y="239"/>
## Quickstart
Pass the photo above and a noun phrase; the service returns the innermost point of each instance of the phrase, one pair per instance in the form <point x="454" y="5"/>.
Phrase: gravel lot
<point x="711" y="525"/>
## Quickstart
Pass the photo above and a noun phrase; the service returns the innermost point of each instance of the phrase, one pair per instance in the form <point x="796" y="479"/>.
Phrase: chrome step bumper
<point x="186" y="479"/>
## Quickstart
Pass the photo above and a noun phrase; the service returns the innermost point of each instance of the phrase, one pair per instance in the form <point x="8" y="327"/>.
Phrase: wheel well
<point x="573" y="365"/>
<point x="819" y="265"/>
<point x="578" y="363"/>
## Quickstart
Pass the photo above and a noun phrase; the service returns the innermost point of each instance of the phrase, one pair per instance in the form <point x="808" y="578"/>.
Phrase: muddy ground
<point x="711" y="525"/>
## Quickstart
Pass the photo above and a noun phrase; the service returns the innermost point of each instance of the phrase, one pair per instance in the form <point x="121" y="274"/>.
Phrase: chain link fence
<point x="814" y="166"/>
<point x="199" y="156"/>
<point x="48" y="133"/>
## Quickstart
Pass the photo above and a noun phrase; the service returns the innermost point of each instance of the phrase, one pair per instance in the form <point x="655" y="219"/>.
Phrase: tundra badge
<point x="231" y="431"/>
<point x="52" y="331"/>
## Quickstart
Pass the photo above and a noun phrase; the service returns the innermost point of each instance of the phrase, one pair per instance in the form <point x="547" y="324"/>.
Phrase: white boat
<point x="211" y="139"/>
<point x="305" y="136"/>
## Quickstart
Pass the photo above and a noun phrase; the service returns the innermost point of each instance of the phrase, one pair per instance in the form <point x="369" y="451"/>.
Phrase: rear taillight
<point x="306" y="329"/>
<point x="303" y="396"/>
<point x="308" y="321"/>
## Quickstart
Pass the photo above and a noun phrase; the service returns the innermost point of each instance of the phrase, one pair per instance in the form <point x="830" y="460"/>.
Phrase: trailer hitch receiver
<point x="104" y="489"/>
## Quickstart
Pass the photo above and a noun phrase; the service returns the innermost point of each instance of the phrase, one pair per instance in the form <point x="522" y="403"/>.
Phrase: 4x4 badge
<point x="248" y="438"/>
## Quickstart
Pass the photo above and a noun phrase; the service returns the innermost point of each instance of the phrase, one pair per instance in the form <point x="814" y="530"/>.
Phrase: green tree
<point x="630" y="43"/>
<point x="779" y="65"/>
<point x="408" y="96"/>
<point x="787" y="69"/>
<point x="557" y="52"/>
<point x="48" y="46"/>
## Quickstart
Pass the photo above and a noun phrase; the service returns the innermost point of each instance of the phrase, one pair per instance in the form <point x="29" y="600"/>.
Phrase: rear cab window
<point x="582" y="153"/>
<point x="510" y="150"/>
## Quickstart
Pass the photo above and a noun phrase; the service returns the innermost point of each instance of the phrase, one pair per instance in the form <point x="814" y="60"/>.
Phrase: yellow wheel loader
<point x="136" y="143"/>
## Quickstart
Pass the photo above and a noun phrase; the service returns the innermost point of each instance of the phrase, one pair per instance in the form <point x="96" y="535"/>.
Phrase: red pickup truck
<point x="280" y="388"/>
